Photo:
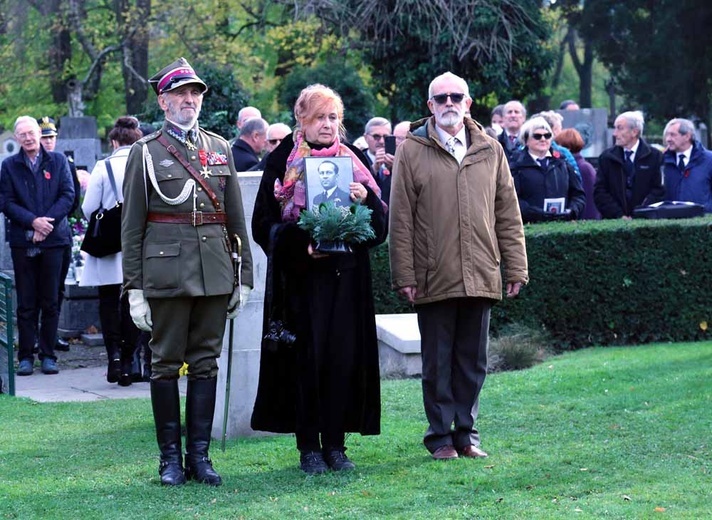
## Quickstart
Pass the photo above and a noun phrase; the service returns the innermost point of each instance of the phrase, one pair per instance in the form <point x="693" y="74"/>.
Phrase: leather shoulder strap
<point x="175" y="153"/>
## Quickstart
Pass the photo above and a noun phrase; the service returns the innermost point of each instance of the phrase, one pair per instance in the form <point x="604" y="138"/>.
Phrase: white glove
<point x="140" y="310"/>
<point x="237" y="301"/>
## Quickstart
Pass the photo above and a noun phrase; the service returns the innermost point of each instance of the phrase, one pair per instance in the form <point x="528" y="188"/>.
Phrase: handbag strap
<point x="110" y="173"/>
<point x="174" y="152"/>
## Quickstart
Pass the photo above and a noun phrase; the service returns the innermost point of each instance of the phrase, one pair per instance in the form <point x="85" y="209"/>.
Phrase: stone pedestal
<point x="246" y="338"/>
<point x="78" y="136"/>
<point x="398" y="345"/>
<point x="80" y="310"/>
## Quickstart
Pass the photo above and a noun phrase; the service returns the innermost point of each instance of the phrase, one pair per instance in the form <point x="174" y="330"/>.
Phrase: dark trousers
<point x="327" y="375"/>
<point x="454" y="338"/>
<point x="37" y="281"/>
<point x="119" y="332"/>
<point x="66" y="262"/>
<point x="187" y="330"/>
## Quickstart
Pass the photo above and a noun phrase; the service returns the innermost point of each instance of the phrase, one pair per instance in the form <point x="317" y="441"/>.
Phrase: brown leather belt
<point x="196" y="218"/>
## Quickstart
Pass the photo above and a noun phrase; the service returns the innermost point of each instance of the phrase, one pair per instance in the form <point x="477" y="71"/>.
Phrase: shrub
<point x="517" y="347"/>
<point x="609" y="282"/>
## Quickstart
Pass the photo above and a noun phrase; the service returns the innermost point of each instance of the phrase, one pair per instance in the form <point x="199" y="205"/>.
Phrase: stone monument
<point x="247" y="337"/>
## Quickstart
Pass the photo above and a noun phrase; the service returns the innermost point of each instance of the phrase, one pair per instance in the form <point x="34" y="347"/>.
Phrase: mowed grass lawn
<point x="598" y="433"/>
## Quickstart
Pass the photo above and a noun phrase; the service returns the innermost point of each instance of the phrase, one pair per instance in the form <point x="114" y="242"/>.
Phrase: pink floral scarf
<point x="291" y="193"/>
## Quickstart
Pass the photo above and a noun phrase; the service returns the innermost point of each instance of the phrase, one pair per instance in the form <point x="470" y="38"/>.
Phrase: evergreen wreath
<point x="328" y="223"/>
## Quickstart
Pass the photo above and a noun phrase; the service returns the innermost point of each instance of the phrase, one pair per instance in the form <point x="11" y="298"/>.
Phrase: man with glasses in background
<point x="453" y="216"/>
<point x="36" y="194"/>
<point x="381" y="163"/>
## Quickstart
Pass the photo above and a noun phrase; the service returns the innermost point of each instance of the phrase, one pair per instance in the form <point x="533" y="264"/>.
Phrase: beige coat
<point x="451" y="226"/>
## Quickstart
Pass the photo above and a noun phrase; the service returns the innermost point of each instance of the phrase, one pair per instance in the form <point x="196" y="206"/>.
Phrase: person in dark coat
<point x="36" y="194"/>
<point x="687" y="165"/>
<point x="629" y="172"/>
<point x="541" y="173"/>
<point x="319" y="372"/>
<point x="571" y="139"/>
<point x="48" y="139"/>
<point x="249" y="145"/>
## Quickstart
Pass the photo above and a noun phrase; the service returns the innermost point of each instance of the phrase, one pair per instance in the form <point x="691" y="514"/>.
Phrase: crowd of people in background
<point x="431" y="178"/>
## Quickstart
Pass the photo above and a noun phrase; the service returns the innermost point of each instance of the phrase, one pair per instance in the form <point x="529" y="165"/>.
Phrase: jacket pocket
<point x="161" y="269"/>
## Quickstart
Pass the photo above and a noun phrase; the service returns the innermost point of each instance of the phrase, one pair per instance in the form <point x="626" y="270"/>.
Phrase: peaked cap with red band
<point x="176" y="75"/>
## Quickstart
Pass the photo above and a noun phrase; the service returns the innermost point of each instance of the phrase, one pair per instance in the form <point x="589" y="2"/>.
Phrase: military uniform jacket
<point x="169" y="260"/>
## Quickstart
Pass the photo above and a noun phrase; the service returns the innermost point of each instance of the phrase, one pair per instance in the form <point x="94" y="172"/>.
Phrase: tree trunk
<point x="134" y="66"/>
<point x="75" y="98"/>
<point x="60" y="52"/>
<point x="586" y="77"/>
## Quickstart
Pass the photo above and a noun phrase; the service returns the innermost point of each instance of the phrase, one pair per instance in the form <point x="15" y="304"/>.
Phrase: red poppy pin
<point x="47" y="175"/>
<point x="687" y="173"/>
<point x="556" y="154"/>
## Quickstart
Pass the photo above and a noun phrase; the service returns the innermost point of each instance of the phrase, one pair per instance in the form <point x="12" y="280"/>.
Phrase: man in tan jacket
<point x="454" y="218"/>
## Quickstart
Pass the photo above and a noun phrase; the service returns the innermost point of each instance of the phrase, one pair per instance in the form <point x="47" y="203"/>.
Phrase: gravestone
<point x="247" y="337"/>
<point x="78" y="135"/>
<point x="592" y="124"/>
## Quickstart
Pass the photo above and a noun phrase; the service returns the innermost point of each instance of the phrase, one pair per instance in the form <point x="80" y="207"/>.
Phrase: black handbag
<point x="103" y="235"/>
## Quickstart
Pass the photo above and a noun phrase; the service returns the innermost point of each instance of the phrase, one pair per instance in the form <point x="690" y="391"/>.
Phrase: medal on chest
<point x="205" y="172"/>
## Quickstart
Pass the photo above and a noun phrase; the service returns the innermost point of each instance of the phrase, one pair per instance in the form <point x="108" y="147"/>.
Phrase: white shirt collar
<point x="445" y="137"/>
<point x="634" y="148"/>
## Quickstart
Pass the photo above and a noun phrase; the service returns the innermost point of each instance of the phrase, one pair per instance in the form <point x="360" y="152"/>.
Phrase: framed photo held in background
<point x="327" y="180"/>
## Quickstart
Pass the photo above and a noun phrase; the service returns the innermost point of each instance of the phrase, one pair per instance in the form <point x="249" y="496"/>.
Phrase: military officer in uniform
<point x="182" y="214"/>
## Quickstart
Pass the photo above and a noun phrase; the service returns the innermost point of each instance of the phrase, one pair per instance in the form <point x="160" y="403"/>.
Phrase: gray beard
<point x="183" y="127"/>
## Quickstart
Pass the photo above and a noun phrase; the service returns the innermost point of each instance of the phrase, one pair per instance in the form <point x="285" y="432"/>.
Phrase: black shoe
<point x="114" y="371"/>
<point x="312" y="463"/>
<point x="171" y="474"/>
<point x="25" y="368"/>
<point x="49" y="366"/>
<point x="125" y="378"/>
<point x="337" y="460"/>
<point x="62" y="345"/>
<point x="201" y="470"/>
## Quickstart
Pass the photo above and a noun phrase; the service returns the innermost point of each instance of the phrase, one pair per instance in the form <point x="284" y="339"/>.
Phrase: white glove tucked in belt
<point x="140" y="310"/>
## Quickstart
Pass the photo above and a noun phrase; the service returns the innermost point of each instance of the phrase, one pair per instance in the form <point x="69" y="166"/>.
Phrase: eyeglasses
<point x="378" y="137"/>
<point x="25" y="135"/>
<point x="539" y="137"/>
<point x="441" y="99"/>
<point x="274" y="141"/>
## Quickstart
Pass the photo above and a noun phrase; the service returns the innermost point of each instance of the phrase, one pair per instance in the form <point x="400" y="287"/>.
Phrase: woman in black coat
<point x="319" y="373"/>
<point x="541" y="173"/>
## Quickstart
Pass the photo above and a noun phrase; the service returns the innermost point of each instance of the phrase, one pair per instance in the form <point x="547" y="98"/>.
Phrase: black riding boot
<point x="113" y="353"/>
<point x="199" y="410"/>
<point x="165" y="400"/>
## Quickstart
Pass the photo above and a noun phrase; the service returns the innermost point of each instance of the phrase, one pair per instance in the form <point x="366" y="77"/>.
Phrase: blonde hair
<point x="317" y="99"/>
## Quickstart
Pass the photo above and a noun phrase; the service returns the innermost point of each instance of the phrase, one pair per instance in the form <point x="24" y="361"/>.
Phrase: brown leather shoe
<point x="445" y="452"/>
<point x="472" y="451"/>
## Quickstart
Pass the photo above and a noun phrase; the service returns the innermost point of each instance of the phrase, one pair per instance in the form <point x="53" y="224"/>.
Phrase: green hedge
<point x="603" y="282"/>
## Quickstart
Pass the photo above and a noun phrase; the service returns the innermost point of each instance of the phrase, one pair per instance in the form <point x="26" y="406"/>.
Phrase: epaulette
<point x="150" y="137"/>
<point x="213" y="134"/>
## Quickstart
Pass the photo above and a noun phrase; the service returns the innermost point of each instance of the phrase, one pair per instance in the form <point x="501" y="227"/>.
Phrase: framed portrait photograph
<point x="327" y="180"/>
<point x="554" y="205"/>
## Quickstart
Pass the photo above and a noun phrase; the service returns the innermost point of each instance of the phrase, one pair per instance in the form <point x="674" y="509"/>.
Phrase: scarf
<point x="291" y="193"/>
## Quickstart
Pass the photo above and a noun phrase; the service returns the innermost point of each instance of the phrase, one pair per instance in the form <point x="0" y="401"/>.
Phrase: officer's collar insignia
<point x="188" y="138"/>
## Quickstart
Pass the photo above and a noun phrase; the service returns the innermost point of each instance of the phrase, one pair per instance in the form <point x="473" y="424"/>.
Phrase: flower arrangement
<point x="78" y="226"/>
<point x="329" y="225"/>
